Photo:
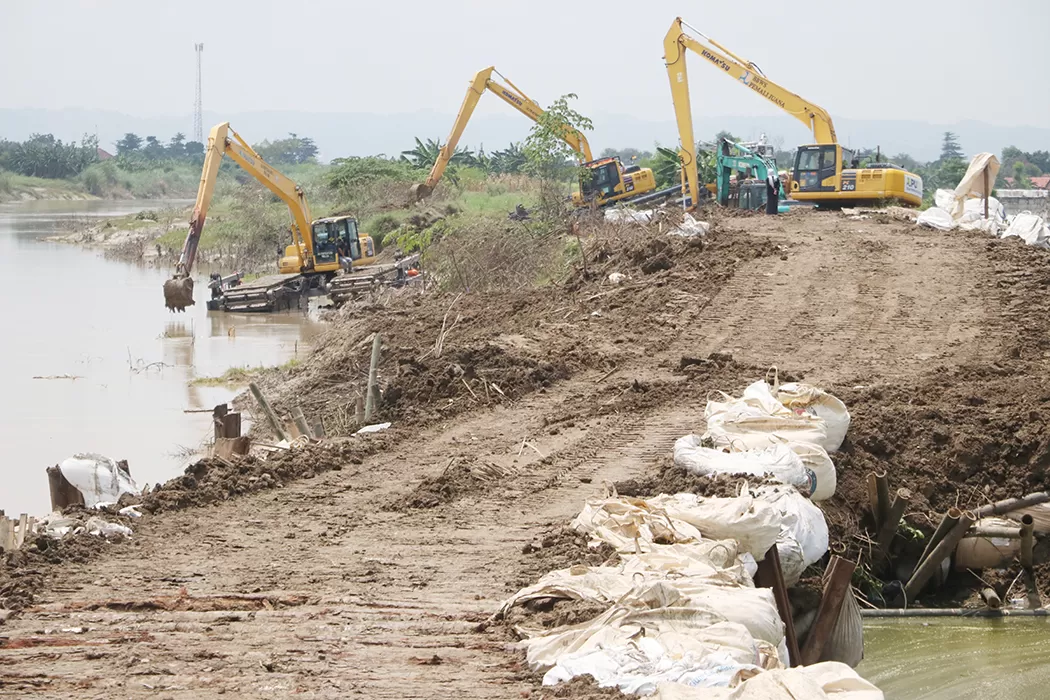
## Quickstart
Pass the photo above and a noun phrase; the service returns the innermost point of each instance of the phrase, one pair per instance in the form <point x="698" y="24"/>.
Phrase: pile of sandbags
<point x="682" y="605"/>
<point x="784" y="431"/>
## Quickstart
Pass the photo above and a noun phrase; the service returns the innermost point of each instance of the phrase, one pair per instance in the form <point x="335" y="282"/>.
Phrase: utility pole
<point x="198" y="126"/>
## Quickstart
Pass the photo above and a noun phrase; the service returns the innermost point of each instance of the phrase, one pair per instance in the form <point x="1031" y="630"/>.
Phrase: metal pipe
<point x="942" y="551"/>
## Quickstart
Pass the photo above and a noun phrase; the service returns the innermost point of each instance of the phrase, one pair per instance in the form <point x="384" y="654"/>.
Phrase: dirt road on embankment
<point x="371" y="569"/>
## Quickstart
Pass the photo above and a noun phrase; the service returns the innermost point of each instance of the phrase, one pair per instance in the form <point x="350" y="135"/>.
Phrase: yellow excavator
<point x="311" y="259"/>
<point x="825" y="173"/>
<point x="607" y="180"/>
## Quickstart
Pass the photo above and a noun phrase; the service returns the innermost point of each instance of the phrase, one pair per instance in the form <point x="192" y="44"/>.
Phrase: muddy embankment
<point x="510" y="407"/>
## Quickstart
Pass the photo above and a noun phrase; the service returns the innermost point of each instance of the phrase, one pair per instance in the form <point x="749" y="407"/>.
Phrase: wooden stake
<point x="840" y="572"/>
<point x="873" y="499"/>
<point x="770" y="575"/>
<point x="275" y="423"/>
<point x="359" y="411"/>
<point x="23" y="522"/>
<point x="300" y="422"/>
<point x="1027" y="540"/>
<point x="372" y="369"/>
<point x="950" y="519"/>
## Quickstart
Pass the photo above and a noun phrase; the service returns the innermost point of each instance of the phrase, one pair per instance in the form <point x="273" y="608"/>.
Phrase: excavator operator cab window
<point x="604" y="179"/>
<point x="814" y="165"/>
<point x="348" y="232"/>
<point x="324" y="243"/>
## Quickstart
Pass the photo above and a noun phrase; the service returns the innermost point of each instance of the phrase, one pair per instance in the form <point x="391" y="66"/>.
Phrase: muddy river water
<point x="93" y="362"/>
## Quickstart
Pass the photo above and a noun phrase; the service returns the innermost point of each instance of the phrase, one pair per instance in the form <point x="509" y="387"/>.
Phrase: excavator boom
<point x="513" y="96"/>
<point x="676" y="42"/>
<point x="223" y="141"/>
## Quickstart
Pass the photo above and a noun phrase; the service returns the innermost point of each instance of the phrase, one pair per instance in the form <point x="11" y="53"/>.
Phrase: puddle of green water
<point x="952" y="658"/>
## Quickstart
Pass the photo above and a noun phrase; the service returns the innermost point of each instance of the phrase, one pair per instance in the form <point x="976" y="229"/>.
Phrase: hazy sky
<point x="931" y="60"/>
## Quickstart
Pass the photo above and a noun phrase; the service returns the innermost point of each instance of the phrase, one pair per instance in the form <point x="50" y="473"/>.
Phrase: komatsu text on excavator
<point x="310" y="260"/>
<point x="607" y="179"/>
<point x="824" y="173"/>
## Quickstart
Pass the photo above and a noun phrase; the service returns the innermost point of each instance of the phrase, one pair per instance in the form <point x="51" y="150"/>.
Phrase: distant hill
<point x="366" y="134"/>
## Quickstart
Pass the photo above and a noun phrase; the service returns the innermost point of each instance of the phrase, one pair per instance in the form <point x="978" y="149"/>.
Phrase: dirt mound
<point x="24" y="571"/>
<point x="558" y="548"/>
<point x="460" y="478"/>
<point x="579" y="688"/>
<point x="669" y="478"/>
<point x="549" y="613"/>
<point x="211" y="480"/>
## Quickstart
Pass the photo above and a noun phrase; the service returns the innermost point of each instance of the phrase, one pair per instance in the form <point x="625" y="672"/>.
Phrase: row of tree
<point x="42" y="155"/>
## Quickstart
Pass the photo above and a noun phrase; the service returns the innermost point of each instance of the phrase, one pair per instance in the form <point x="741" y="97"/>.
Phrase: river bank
<point x="510" y="408"/>
<point x="117" y="373"/>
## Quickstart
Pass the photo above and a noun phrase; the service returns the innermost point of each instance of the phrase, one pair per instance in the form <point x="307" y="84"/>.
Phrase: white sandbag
<point x="758" y="420"/>
<point x="778" y="461"/>
<point x="820" y="470"/>
<point x="618" y="215"/>
<point x="936" y="218"/>
<point x="753" y="523"/>
<point x="690" y="228"/>
<point x="98" y="478"/>
<point x="632" y="525"/>
<point x="803" y="536"/>
<point x="1030" y="228"/>
<point x="824" y="681"/>
<point x="944" y="199"/>
<point x="817" y="402"/>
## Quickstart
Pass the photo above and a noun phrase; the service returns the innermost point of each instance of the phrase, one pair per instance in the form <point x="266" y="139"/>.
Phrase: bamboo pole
<point x="950" y="519"/>
<point x="1027" y="540"/>
<point x="942" y="551"/>
<point x="275" y="422"/>
<point x="873" y="499"/>
<point x="991" y="598"/>
<point x="1009" y="533"/>
<point x="882" y="490"/>
<point x="372" y="368"/>
<point x="1011" y="504"/>
<point x="840" y="572"/>
<point x="893" y="519"/>
<point x="300" y="423"/>
<point x="954" y="612"/>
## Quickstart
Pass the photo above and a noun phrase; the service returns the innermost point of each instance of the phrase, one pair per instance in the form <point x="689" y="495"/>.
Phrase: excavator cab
<point x="816" y="168"/>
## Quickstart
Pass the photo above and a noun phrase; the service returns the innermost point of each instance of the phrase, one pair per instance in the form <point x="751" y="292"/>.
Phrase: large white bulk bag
<point x="816" y="402"/>
<point x="778" y="461"/>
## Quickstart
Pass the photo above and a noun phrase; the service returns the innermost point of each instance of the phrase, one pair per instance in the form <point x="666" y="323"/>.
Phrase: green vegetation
<point x="241" y="376"/>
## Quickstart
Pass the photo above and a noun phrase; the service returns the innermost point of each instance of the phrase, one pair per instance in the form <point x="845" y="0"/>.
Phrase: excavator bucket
<point x="419" y="191"/>
<point x="178" y="293"/>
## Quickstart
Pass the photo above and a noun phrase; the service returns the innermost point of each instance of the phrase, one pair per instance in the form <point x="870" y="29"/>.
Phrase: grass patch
<point x="241" y="376"/>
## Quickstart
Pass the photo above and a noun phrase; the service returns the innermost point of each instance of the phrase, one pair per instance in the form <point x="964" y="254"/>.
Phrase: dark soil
<point x="559" y="548"/>
<point x="24" y="571"/>
<point x="460" y="478"/>
<point x="668" y="478"/>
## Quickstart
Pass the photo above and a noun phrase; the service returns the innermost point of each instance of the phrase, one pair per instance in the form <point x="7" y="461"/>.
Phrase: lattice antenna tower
<point x="198" y="122"/>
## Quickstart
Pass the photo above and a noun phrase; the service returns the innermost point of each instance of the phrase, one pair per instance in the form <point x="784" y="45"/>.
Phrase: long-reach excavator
<point x="307" y="264"/>
<point x="824" y="173"/>
<point x="607" y="180"/>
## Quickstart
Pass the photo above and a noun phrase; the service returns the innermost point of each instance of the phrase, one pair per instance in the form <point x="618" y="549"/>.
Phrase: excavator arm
<point x="513" y="96"/>
<point x="223" y="141"/>
<point x="676" y="42"/>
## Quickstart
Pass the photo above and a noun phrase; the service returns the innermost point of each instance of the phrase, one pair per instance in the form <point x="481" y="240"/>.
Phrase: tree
<point x="129" y="144"/>
<point x="424" y="155"/>
<point x="1021" y="181"/>
<point x="666" y="167"/>
<point x="627" y="155"/>
<point x="194" y="148"/>
<point x="153" y="150"/>
<point x="1041" y="160"/>
<point x="726" y="135"/>
<point x="177" y="145"/>
<point x="547" y="154"/>
<point x="509" y="161"/>
<point x="950" y="149"/>
<point x="293" y="150"/>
